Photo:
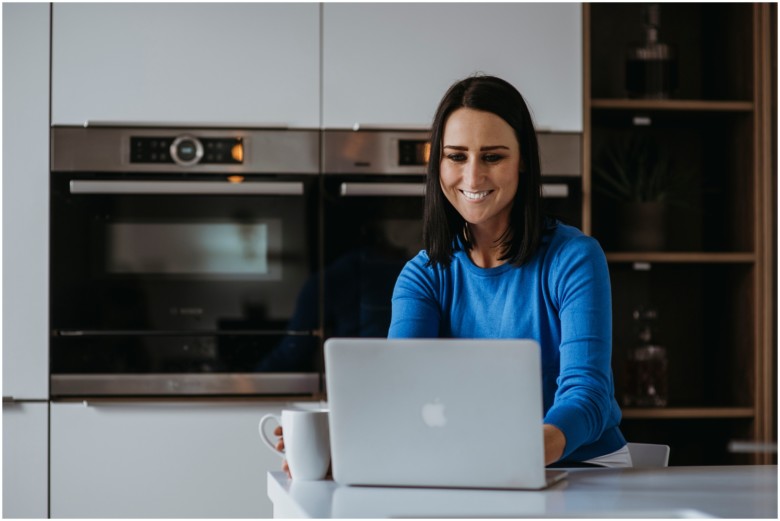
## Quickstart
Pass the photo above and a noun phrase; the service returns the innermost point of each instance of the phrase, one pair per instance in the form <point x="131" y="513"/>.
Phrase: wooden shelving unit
<point x="713" y="282"/>
<point x="682" y="257"/>
<point x="688" y="412"/>
<point x="669" y="104"/>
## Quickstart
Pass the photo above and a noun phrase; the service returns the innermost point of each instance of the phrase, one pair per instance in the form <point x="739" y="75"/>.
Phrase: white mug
<point x="306" y="442"/>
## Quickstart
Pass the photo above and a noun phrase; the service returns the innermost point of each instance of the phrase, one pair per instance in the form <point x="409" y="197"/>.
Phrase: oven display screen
<point x="413" y="152"/>
<point x="251" y="249"/>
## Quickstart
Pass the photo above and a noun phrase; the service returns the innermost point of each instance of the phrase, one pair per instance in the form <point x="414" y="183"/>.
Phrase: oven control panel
<point x="186" y="150"/>
<point x="413" y="152"/>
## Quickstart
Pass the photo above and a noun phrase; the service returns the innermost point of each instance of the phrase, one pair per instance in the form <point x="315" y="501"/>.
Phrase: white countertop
<point x="733" y="491"/>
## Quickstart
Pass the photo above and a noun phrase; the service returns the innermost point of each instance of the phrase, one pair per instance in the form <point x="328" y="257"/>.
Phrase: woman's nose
<point x="473" y="174"/>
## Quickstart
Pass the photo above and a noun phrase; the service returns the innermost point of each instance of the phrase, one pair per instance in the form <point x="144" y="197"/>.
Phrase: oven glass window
<point x="170" y="263"/>
<point x="249" y="249"/>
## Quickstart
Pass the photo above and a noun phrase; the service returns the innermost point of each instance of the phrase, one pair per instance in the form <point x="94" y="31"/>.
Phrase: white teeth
<point x="475" y="195"/>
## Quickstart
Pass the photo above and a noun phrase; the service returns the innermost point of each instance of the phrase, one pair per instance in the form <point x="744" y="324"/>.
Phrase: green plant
<point x="633" y="168"/>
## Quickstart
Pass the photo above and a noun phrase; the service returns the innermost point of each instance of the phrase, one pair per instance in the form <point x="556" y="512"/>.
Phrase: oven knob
<point x="186" y="150"/>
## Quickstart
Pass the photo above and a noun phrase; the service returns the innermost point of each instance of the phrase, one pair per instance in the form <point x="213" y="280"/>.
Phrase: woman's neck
<point x="487" y="248"/>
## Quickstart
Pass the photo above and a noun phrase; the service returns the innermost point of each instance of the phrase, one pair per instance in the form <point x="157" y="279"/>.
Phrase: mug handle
<point x="264" y="436"/>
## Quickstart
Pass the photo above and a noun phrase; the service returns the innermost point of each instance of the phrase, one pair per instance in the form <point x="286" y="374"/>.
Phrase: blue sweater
<point x="560" y="297"/>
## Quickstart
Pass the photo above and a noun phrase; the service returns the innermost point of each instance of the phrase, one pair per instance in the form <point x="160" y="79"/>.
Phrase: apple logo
<point x="433" y="414"/>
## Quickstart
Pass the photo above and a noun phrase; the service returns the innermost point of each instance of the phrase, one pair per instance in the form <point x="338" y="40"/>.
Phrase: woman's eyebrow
<point x="491" y="147"/>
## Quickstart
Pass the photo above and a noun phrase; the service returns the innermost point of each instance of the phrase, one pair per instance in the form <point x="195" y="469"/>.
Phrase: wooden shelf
<point x="682" y="257"/>
<point x="672" y="105"/>
<point x="688" y="413"/>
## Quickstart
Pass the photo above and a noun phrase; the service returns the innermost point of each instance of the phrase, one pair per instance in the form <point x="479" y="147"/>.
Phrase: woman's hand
<point x="554" y="443"/>
<point x="280" y="447"/>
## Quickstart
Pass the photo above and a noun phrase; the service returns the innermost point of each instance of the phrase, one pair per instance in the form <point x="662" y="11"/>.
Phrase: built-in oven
<point x="374" y="185"/>
<point x="184" y="261"/>
<point x="373" y="188"/>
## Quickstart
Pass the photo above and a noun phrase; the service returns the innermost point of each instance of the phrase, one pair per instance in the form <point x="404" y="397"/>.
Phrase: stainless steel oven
<point x="180" y="259"/>
<point x="373" y="187"/>
<point x="373" y="203"/>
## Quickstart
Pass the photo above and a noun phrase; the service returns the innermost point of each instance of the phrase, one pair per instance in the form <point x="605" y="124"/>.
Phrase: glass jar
<point x="651" y="67"/>
<point x="647" y="377"/>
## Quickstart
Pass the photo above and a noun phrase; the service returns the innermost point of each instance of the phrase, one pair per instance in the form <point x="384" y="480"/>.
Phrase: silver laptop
<point x="436" y="413"/>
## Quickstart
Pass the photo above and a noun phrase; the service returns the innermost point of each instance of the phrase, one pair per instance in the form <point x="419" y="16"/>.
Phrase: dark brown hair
<point x="442" y="224"/>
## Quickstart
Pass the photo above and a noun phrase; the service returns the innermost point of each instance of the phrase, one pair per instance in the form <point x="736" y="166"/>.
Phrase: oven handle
<point x="382" y="189"/>
<point x="555" y="190"/>
<point x="549" y="190"/>
<point x="186" y="187"/>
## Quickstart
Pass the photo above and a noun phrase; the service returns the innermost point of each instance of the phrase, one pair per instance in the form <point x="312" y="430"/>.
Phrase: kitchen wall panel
<point x="389" y="64"/>
<point x="242" y="64"/>
<point x="25" y="460"/>
<point x="25" y="201"/>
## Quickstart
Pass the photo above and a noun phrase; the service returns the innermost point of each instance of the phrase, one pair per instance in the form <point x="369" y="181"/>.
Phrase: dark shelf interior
<point x="713" y="43"/>
<point x="711" y="159"/>
<point x="692" y="441"/>
<point x="704" y="322"/>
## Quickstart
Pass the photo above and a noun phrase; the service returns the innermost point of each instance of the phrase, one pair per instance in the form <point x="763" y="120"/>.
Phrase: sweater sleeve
<point x="583" y="400"/>
<point x="415" y="308"/>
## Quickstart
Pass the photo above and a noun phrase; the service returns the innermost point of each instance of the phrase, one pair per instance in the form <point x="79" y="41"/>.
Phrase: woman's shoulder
<point x="566" y="240"/>
<point x="418" y="277"/>
<point x="421" y="260"/>
<point x="419" y="266"/>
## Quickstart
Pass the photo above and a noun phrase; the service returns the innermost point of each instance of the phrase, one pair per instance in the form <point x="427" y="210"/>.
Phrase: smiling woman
<point x="495" y="267"/>
<point x="486" y="119"/>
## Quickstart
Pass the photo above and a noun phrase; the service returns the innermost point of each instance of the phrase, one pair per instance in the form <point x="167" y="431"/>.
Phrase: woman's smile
<point x="476" y="196"/>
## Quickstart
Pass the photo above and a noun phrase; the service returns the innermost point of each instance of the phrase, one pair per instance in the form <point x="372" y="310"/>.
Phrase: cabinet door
<point x="237" y="64"/>
<point x="163" y="459"/>
<point x="390" y="64"/>
<point x="25" y="460"/>
<point x="25" y="200"/>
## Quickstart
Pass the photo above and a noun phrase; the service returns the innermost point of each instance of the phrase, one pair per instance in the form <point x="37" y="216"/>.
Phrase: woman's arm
<point x="585" y="395"/>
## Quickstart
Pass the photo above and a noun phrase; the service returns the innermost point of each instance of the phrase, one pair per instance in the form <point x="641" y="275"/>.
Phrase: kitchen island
<point x="724" y="491"/>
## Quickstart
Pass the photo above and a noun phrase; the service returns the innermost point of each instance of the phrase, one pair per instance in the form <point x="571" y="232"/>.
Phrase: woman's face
<point x="480" y="167"/>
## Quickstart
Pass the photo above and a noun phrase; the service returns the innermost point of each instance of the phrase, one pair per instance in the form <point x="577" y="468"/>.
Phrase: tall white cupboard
<point x="25" y="259"/>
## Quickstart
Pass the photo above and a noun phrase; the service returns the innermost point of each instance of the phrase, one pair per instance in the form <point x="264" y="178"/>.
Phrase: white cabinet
<point x="25" y="460"/>
<point x="160" y="459"/>
<point x="25" y="201"/>
<point x="232" y="63"/>
<point x="271" y="63"/>
<point x="390" y="63"/>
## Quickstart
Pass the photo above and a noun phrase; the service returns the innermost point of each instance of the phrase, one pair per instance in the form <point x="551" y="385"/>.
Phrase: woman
<point x="494" y="267"/>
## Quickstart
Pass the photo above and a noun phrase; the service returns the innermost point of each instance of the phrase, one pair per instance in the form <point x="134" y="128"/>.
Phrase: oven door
<point x="373" y="226"/>
<point x="192" y="276"/>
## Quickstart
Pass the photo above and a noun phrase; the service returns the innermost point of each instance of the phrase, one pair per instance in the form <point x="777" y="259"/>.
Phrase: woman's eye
<point x="457" y="157"/>
<point x="492" y="158"/>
